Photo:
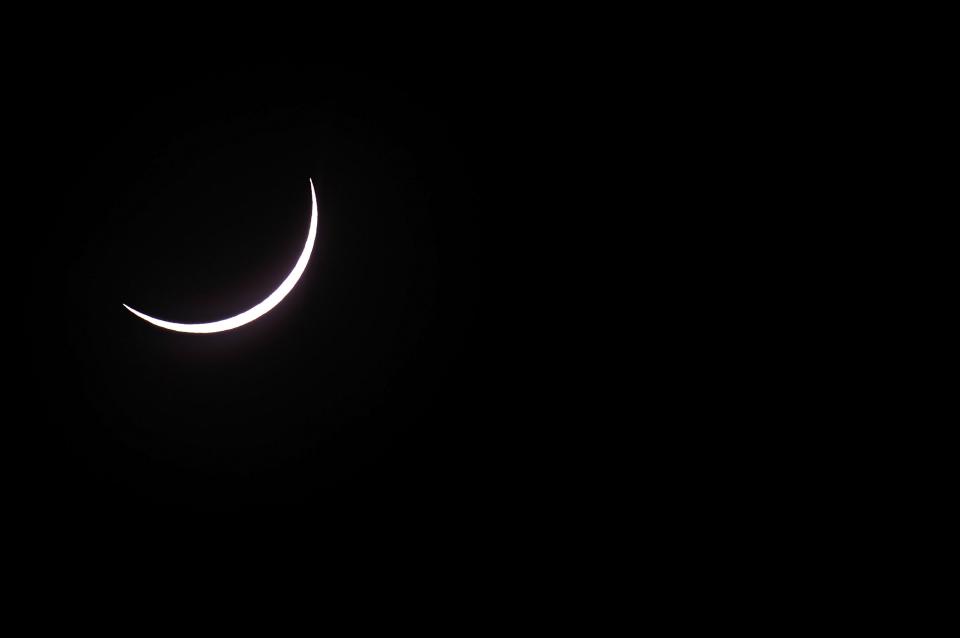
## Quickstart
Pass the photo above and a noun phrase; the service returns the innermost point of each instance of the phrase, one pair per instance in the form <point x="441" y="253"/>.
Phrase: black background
<point x="385" y="384"/>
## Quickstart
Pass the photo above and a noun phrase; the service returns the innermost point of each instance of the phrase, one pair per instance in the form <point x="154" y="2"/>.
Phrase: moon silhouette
<point x="261" y="308"/>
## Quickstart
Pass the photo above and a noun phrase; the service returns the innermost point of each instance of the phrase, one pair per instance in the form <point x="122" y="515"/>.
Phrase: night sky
<point x="179" y="185"/>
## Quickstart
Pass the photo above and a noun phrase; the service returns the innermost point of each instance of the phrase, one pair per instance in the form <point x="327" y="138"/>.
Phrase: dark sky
<point x="179" y="185"/>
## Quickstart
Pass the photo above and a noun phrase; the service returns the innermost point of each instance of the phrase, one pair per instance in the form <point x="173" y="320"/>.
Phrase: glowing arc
<point x="261" y="308"/>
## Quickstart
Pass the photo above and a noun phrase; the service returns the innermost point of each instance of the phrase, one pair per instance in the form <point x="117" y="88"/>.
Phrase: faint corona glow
<point x="261" y="308"/>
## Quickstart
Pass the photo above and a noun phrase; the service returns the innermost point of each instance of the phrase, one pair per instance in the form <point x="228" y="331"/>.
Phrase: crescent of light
<point x="261" y="308"/>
